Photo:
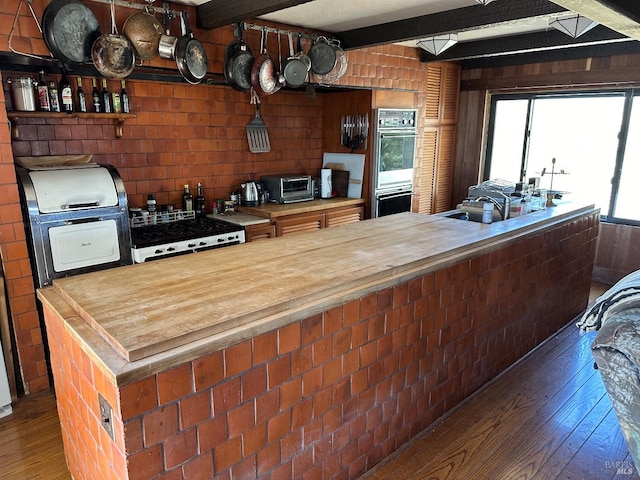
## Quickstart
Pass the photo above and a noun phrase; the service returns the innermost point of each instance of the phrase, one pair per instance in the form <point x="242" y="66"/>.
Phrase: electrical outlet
<point x="106" y="415"/>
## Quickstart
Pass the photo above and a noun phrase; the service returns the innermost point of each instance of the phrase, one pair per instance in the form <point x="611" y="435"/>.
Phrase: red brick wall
<point x="332" y="395"/>
<point x="181" y="134"/>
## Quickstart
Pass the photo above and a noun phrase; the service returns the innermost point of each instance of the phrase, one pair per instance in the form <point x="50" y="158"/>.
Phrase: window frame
<point x="629" y="95"/>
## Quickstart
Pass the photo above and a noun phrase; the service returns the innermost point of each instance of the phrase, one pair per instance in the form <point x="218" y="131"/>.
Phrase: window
<point x="584" y="145"/>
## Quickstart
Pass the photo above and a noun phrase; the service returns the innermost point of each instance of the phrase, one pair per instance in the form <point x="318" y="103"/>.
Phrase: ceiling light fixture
<point x="574" y="26"/>
<point x="485" y="2"/>
<point x="438" y="44"/>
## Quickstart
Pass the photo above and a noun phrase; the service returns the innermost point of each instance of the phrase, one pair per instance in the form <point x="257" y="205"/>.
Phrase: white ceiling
<point x="341" y="15"/>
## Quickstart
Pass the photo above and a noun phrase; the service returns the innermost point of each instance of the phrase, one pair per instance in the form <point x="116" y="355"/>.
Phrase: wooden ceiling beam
<point x="218" y="13"/>
<point x="452" y="21"/>
<point x="623" y="16"/>
<point x="527" y="43"/>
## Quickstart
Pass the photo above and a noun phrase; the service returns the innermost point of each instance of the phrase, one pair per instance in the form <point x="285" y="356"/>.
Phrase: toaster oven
<point x="288" y="188"/>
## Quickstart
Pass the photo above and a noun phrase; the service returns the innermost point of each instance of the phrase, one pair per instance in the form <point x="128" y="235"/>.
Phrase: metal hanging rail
<point x="139" y="6"/>
<point x="253" y="26"/>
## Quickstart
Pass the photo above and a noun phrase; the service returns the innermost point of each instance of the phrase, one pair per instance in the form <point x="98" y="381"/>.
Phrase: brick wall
<point x="332" y="395"/>
<point x="181" y="134"/>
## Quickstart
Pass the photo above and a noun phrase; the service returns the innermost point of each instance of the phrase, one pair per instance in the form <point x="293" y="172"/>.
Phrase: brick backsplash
<point x="181" y="134"/>
<point x="332" y="395"/>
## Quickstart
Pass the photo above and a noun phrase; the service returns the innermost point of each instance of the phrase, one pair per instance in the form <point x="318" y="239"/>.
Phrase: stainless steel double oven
<point x="394" y="156"/>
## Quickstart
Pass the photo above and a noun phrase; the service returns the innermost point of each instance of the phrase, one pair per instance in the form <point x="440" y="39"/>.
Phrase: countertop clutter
<point x="154" y="315"/>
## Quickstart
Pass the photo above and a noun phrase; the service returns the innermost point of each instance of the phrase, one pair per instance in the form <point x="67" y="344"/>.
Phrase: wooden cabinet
<point x="303" y="217"/>
<point x="259" y="231"/>
<point x="439" y="138"/>
<point x="309" y="222"/>
<point x="344" y="216"/>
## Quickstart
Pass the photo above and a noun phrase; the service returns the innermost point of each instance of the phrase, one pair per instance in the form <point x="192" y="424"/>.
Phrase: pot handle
<point x="291" y="52"/>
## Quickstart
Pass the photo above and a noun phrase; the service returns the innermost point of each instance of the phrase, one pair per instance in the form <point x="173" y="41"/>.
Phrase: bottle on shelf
<point x="66" y="94"/>
<point x="82" y="100"/>
<point x="124" y="98"/>
<point x="187" y="199"/>
<point x="95" y="94"/>
<point x="151" y="203"/>
<point x="43" y="93"/>
<point x="200" y="202"/>
<point x="106" y="97"/>
<point x="115" y="102"/>
<point x="54" y="99"/>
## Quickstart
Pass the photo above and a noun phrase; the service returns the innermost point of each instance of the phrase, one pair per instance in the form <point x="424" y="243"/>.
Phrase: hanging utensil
<point x="238" y="61"/>
<point x="263" y="71"/>
<point x="280" y="77"/>
<point x="323" y="56"/>
<point x="294" y="71"/>
<point x="112" y="53"/>
<point x="191" y="57"/>
<point x="303" y="57"/>
<point x="69" y="29"/>
<point x="144" y="30"/>
<point x="257" y="132"/>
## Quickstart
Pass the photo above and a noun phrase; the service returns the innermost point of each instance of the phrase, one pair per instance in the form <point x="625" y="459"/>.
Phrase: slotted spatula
<point x="257" y="132"/>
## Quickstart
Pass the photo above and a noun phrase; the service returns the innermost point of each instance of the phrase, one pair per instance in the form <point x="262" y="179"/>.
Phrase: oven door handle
<point x="79" y="221"/>
<point x="72" y="206"/>
<point x="392" y="135"/>
<point x="386" y="196"/>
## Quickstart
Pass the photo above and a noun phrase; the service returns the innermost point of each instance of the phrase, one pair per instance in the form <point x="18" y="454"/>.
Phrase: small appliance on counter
<point x="77" y="217"/>
<point x="249" y="194"/>
<point x="288" y="188"/>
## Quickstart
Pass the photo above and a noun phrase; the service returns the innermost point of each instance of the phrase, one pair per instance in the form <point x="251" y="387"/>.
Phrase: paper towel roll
<point x="325" y="183"/>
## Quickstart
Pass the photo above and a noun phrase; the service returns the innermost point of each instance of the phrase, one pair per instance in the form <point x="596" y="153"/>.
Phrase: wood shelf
<point x="117" y="118"/>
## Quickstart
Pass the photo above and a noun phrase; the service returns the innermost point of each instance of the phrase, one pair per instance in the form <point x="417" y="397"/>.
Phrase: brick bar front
<point x="334" y="394"/>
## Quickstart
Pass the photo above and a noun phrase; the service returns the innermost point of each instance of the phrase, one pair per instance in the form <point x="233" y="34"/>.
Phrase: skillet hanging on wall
<point x="190" y="55"/>
<point x="238" y="61"/>
<point x="69" y="29"/>
<point x="263" y="72"/>
<point x="113" y="54"/>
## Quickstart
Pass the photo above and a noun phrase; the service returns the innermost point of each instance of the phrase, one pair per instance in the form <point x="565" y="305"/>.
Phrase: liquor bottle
<point x="54" y="100"/>
<point x="82" y="100"/>
<point x="106" y="97"/>
<point x="200" y="202"/>
<point x="187" y="200"/>
<point x="95" y="94"/>
<point x="43" y="93"/>
<point x="115" y="102"/>
<point x="66" y="94"/>
<point x="124" y="98"/>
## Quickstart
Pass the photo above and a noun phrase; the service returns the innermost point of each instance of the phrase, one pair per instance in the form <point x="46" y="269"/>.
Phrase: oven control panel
<point x="397" y="119"/>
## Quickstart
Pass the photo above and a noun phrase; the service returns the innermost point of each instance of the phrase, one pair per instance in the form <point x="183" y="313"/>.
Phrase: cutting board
<point x="351" y="162"/>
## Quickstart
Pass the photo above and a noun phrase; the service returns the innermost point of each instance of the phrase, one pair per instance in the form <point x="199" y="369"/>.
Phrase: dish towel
<point x="624" y="294"/>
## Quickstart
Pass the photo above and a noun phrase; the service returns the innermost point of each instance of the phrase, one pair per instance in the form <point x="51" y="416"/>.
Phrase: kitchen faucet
<point x="499" y="206"/>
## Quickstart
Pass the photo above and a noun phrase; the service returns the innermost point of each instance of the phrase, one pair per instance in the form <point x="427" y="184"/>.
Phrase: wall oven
<point x="394" y="156"/>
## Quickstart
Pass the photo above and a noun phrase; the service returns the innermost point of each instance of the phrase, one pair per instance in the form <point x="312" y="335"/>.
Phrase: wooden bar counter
<point x="308" y="356"/>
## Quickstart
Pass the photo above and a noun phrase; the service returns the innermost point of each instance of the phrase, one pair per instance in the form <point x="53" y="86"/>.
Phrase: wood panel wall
<point x="617" y="252"/>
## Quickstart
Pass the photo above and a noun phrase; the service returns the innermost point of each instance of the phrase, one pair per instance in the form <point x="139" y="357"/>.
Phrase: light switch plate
<point x="106" y="415"/>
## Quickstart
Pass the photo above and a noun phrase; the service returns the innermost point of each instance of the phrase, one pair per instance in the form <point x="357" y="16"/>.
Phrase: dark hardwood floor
<point x="548" y="417"/>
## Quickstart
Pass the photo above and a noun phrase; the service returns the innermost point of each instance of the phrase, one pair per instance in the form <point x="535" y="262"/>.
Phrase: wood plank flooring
<point x="546" y="418"/>
<point x="30" y="441"/>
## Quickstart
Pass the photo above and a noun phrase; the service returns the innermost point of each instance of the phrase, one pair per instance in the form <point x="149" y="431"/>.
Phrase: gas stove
<point x="162" y="240"/>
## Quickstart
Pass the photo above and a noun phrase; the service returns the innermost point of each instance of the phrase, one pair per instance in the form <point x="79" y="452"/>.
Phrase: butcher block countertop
<point x="145" y="318"/>
<point x="275" y="210"/>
